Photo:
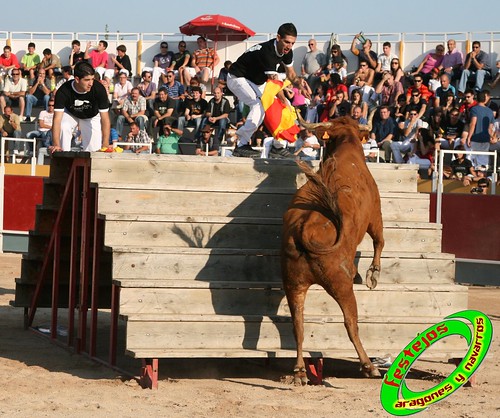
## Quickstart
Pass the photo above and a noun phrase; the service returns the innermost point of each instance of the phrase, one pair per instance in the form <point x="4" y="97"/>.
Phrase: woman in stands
<point x="357" y="100"/>
<point x="396" y="70"/>
<point x="431" y="61"/>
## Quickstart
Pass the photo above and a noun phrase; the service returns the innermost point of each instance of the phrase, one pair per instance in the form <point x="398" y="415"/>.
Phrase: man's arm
<point x="56" y="131"/>
<point x="87" y="52"/>
<point x="105" y="128"/>
<point x="355" y="50"/>
<point x="291" y="75"/>
<point x="468" y="61"/>
<point x="472" y="128"/>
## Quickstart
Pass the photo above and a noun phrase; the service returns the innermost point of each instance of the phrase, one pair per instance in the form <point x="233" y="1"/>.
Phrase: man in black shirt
<point x="248" y="75"/>
<point x="84" y="104"/>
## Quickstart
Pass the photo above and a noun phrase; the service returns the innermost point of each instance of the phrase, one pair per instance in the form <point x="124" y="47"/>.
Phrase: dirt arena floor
<point x="40" y="379"/>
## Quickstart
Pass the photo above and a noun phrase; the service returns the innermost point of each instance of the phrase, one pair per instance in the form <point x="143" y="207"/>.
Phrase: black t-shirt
<point x="79" y="56"/>
<point x="162" y="107"/>
<point x="461" y="167"/>
<point x="81" y="105"/>
<point x="196" y="107"/>
<point x="217" y="109"/>
<point x="258" y="60"/>
<point x="449" y="129"/>
<point x="125" y="61"/>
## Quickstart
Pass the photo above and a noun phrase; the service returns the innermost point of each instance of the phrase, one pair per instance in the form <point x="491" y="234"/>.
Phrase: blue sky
<point x="381" y="16"/>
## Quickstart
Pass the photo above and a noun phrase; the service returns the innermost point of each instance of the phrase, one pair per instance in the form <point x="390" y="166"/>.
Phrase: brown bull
<point x="325" y="222"/>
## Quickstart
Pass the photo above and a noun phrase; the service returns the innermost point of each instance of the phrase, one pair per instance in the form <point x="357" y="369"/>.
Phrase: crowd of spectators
<point x="440" y="103"/>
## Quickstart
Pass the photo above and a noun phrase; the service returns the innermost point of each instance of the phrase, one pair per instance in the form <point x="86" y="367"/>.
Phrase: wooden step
<point x="414" y="206"/>
<point x="225" y="174"/>
<point x="176" y="297"/>
<point x="157" y="263"/>
<point x="265" y="233"/>
<point x="164" y="337"/>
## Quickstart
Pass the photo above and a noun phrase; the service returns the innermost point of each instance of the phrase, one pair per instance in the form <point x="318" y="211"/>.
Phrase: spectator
<point x="99" y="59"/>
<point x="491" y="104"/>
<point x="147" y="89"/>
<point x="10" y="126"/>
<point x="480" y="129"/>
<point x="339" y="107"/>
<point x="134" y="110"/>
<point x="8" y="61"/>
<point x="453" y="131"/>
<point x="203" y="62"/>
<point x="423" y="153"/>
<point x="164" y="110"/>
<point x="384" y="131"/>
<point x="222" y="79"/>
<point x="168" y="142"/>
<point x="460" y="167"/>
<point x="181" y="61"/>
<point x="442" y="91"/>
<point x="430" y="61"/>
<point x="409" y="128"/>
<point x="218" y="113"/>
<point x="300" y="95"/>
<point x="44" y="131"/>
<point x="122" y="61"/>
<point x="418" y="103"/>
<point x="337" y="68"/>
<point x="364" y="53"/>
<point x="14" y="91"/>
<point x="175" y="89"/>
<point x="162" y="62"/>
<point x="121" y="91"/>
<point x="357" y="101"/>
<point x="30" y="61"/>
<point x="194" y="112"/>
<point x="312" y="64"/>
<point x="67" y="74"/>
<point x="364" y="73"/>
<point x="468" y="103"/>
<point x="434" y="82"/>
<point x="51" y="63"/>
<point x="77" y="54"/>
<point x="336" y="51"/>
<point x="452" y="62"/>
<point x="400" y="109"/>
<point x="334" y="85"/>
<point x="497" y="77"/>
<point x="384" y="60"/>
<point x="137" y="135"/>
<point x="421" y="87"/>
<point x="357" y="115"/>
<point x="388" y="89"/>
<point x="476" y="65"/>
<point x="38" y="93"/>
<point x="195" y="82"/>
<point x="449" y="102"/>
<point x="396" y="70"/>
<point x="307" y="145"/>
<point x="207" y="144"/>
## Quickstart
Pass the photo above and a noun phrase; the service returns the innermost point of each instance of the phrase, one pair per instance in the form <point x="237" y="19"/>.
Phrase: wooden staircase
<point x="191" y="248"/>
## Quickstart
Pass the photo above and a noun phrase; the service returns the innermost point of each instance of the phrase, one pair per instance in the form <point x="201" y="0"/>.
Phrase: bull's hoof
<point x="372" y="276"/>
<point x="369" y="370"/>
<point x="300" y="377"/>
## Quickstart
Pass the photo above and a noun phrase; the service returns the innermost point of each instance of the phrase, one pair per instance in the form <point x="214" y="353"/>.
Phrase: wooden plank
<point x="212" y="300"/>
<point x="265" y="335"/>
<point x="239" y="235"/>
<point x="175" y="202"/>
<point x="224" y="174"/>
<point x="157" y="266"/>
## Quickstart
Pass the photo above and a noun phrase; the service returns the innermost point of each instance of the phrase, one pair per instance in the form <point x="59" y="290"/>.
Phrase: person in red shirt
<point x="468" y="103"/>
<point x="421" y="87"/>
<point x="8" y="60"/>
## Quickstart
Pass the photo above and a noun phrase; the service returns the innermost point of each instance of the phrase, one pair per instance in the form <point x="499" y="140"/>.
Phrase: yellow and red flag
<point x="279" y="119"/>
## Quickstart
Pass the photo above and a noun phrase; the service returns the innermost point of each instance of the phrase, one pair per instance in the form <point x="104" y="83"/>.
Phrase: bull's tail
<point x="322" y="195"/>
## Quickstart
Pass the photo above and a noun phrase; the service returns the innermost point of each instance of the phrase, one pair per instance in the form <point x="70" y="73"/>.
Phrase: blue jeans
<point x="45" y="136"/>
<point x="480" y="76"/>
<point x="35" y="101"/>
<point x="196" y="121"/>
<point x="398" y="148"/>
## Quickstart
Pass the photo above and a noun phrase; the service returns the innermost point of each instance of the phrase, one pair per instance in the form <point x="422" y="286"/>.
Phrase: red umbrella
<point x="215" y="26"/>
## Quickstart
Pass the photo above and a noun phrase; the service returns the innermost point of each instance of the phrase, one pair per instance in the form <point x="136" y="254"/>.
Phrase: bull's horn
<point x="312" y="126"/>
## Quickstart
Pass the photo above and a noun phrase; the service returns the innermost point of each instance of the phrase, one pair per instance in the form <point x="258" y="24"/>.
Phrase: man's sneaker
<point x="246" y="151"/>
<point x="27" y="119"/>
<point x="280" y="153"/>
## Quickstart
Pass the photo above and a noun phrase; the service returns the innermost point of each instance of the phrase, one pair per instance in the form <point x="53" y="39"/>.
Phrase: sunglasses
<point x="413" y="114"/>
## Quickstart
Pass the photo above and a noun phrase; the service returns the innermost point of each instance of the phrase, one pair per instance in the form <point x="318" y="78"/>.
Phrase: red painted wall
<point x="22" y="194"/>
<point x="471" y="225"/>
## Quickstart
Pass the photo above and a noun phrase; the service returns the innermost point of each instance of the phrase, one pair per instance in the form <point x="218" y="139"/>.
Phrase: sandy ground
<point x="41" y="379"/>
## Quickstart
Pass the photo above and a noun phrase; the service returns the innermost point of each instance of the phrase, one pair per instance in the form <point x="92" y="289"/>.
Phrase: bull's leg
<point x="375" y="230"/>
<point x="344" y="295"/>
<point x="296" y="299"/>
